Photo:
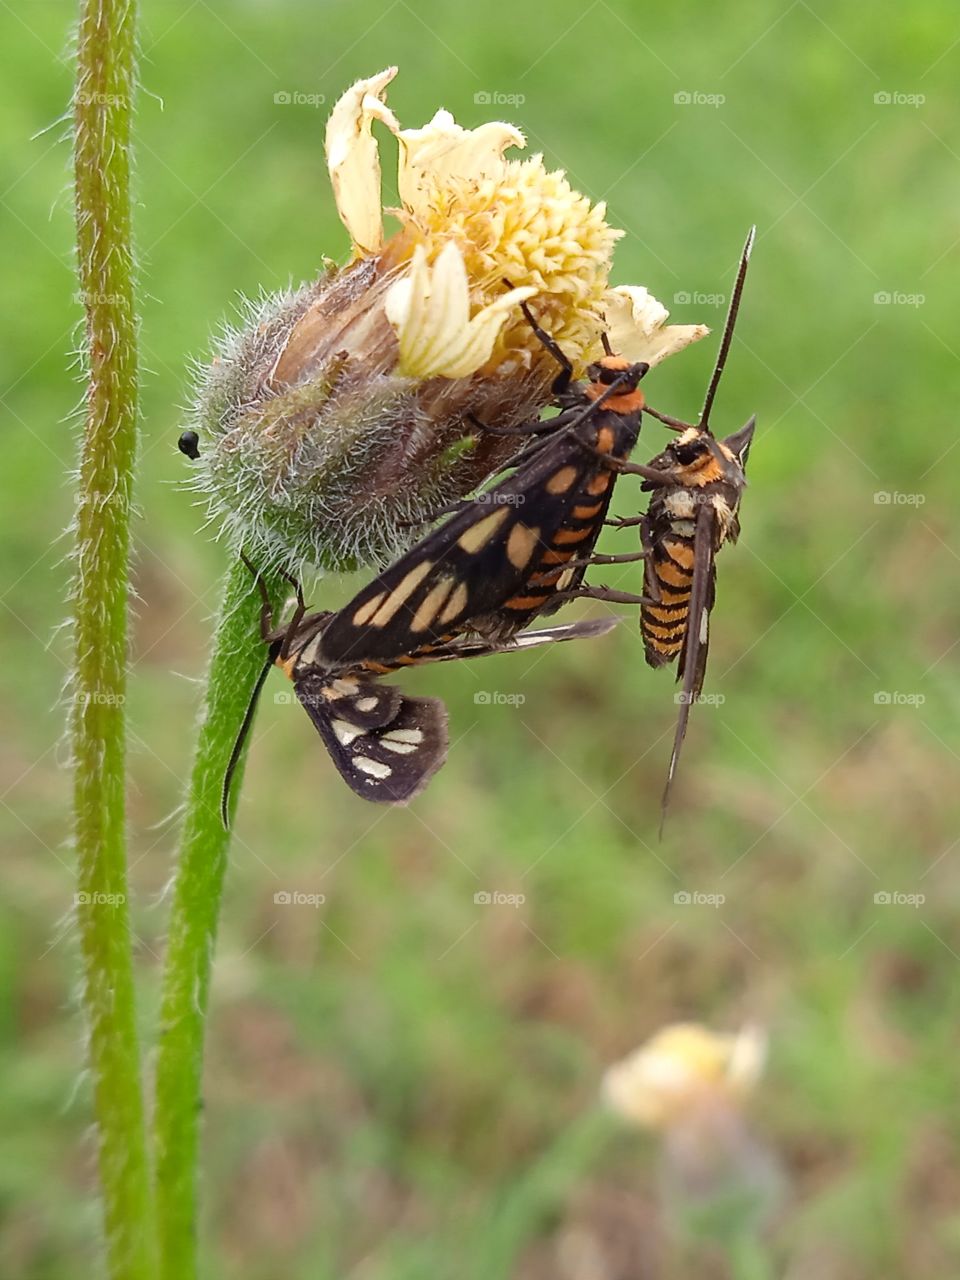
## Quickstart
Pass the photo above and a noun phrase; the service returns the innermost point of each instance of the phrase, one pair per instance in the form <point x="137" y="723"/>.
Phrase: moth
<point x="521" y="548"/>
<point x="696" y="485"/>
<point x="385" y="744"/>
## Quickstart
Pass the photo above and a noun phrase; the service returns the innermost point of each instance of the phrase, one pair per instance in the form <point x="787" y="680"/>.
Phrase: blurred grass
<point x="400" y="1082"/>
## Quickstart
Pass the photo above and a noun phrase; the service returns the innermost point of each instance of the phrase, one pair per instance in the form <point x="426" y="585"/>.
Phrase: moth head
<point x="605" y="372"/>
<point x="689" y="447"/>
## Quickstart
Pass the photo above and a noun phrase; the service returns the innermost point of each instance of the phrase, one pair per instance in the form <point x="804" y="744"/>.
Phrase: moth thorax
<point x="680" y="504"/>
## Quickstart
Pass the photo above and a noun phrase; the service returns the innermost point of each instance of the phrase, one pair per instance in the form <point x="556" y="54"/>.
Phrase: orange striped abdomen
<point x="664" y="624"/>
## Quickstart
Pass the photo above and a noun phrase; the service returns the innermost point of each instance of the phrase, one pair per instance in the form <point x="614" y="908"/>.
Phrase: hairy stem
<point x="103" y="105"/>
<point x="237" y="659"/>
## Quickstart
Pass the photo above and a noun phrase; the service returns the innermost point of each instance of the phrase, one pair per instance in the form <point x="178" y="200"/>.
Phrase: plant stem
<point x="237" y="659"/>
<point x="103" y="107"/>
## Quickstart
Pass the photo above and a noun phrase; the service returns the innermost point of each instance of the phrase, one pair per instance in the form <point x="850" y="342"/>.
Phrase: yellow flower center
<point x="526" y="227"/>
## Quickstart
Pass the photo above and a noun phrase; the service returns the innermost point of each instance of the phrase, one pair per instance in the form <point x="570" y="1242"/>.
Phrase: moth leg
<point x="625" y="522"/>
<point x="651" y="582"/>
<point x="266" y="608"/>
<point x="628" y="557"/>
<point x="623" y="468"/>
<point x="293" y="626"/>
<point x="565" y="377"/>
<point x="673" y="423"/>
<point x="534" y="428"/>
<point x="528" y="451"/>
<point x="657" y="478"/>
<point x="603" y="593"/>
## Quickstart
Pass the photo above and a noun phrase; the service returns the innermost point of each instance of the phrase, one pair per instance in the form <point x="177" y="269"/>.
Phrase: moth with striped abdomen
<point x="385" y="745"/>
<point x="695" y="484"/>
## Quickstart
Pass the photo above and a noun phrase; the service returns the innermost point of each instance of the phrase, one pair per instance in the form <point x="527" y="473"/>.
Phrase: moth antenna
<point x="729" y="324"/>
<point x="241" y="739"/>
<point x="607" y="349"/>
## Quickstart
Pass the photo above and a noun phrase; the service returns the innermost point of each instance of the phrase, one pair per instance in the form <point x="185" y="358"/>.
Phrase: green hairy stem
<point x="237" y="659"/>
<point x="103" y="105"/>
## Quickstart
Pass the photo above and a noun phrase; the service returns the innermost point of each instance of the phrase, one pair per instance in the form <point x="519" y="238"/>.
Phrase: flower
<point x="343" y="414"/>
<point x="509" y="222"/>
<point x="717" y="1179"/>
<point x="685" y="1069"/>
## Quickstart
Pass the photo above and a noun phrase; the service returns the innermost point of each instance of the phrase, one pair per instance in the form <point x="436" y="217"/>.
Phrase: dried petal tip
<point x="637" y="326"/>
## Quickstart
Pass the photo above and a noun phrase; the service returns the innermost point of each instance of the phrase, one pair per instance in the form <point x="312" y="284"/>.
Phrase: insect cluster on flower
<point x="387" y="395"/>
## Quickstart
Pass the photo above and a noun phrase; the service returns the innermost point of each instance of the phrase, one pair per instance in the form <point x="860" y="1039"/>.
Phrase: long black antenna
<point x="241" y="739"/>
<point x="704" y="423"/>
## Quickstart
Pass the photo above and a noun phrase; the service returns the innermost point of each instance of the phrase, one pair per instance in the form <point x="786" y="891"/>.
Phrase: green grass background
<point x="402" y="1083"/>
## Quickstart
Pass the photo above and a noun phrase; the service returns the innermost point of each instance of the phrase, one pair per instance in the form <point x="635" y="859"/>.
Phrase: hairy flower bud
<point x="344" y="413"/>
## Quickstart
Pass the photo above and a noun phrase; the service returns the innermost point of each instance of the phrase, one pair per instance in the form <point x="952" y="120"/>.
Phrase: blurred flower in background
<point x="344" y="412"/>
<point x="691" y="1085"/>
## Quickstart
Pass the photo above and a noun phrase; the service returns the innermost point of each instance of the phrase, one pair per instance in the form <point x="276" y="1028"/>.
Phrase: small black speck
<point x="189" y="444"/>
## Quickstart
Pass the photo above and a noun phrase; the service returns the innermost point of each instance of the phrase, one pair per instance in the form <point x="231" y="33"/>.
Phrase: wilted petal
<point x="637" y="328"/>
<point x="442" y="152"/>
<point x="353" y="158"/>
<point x="430" y="311"/>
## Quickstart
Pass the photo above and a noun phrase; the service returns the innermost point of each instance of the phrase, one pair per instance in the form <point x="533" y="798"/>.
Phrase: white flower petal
<point x="637" y="329"/>
<point x="430" y="311"/>
<point x="442" y="150"/>
<point x="477" y="342"/>
<point x="353" y="158"/>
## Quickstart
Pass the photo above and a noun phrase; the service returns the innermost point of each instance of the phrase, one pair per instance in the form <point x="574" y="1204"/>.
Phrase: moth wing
<point x="388" y="763"/>
<point x="466" y="568"/>
<point x="365" y="704"/>
<point x="585" y="629"/>
<point x="696" y="642"/>
<point x="463" y="647"/>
